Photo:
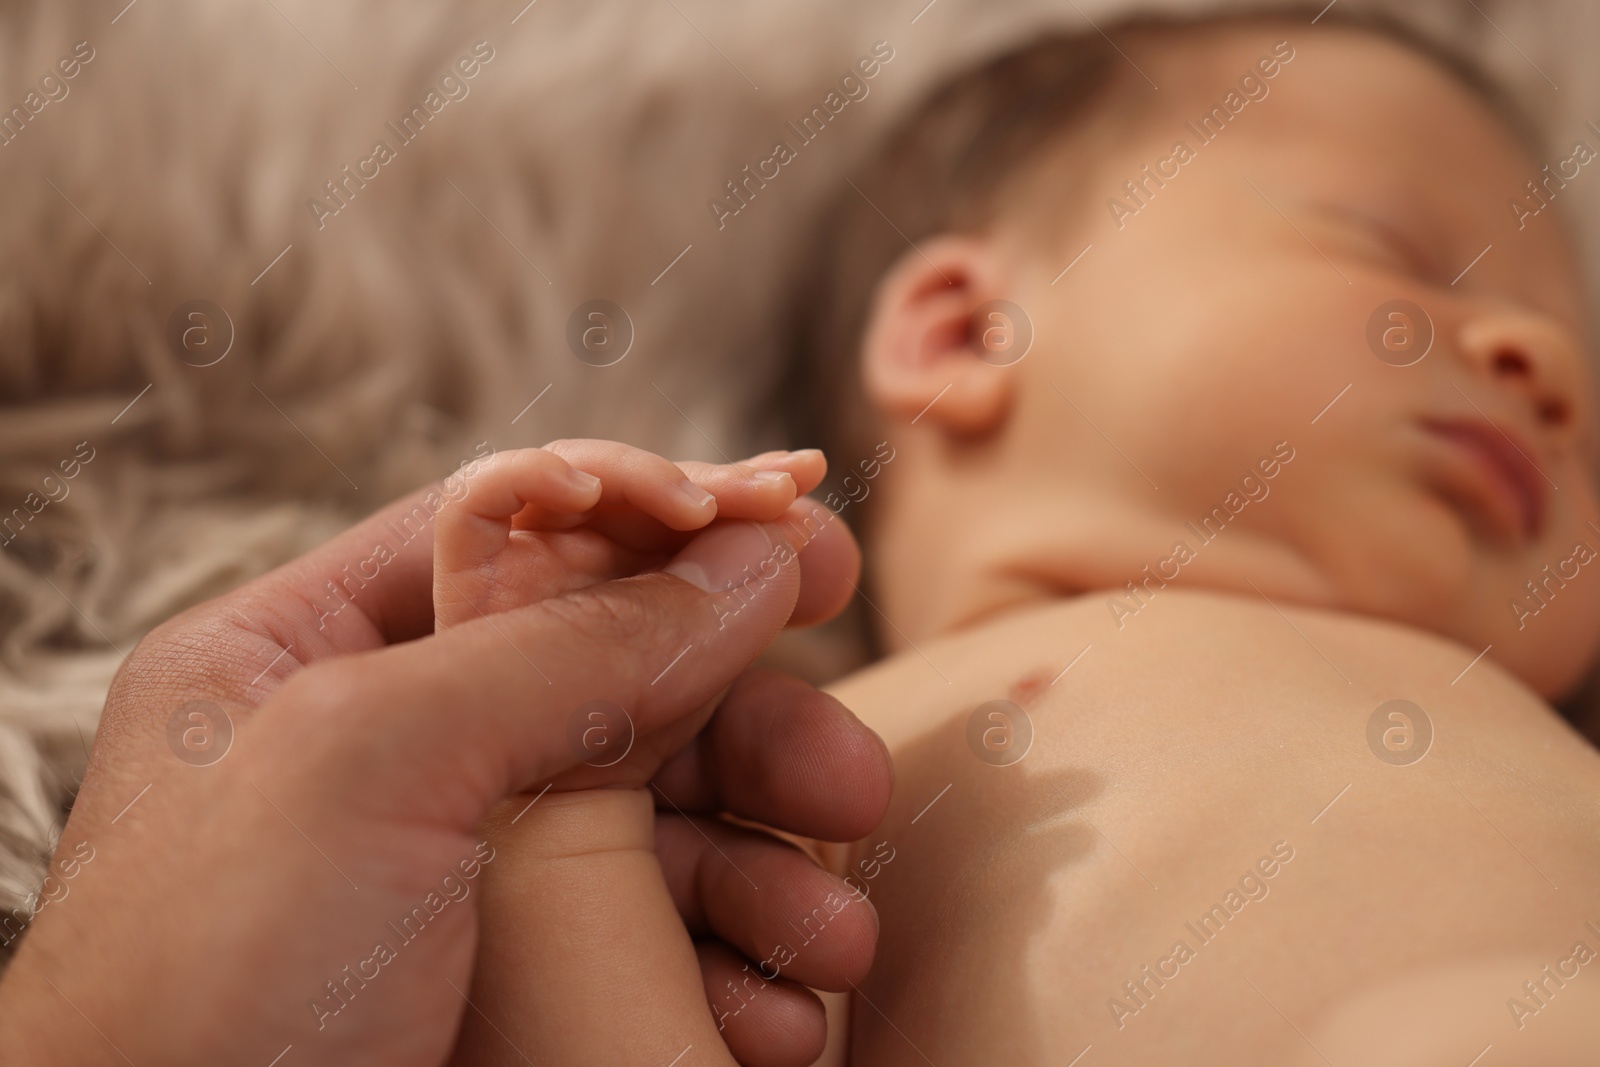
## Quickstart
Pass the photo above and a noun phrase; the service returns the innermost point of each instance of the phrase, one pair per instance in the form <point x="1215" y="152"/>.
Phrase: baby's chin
<point x="1549" y="637"/>
<point x="1553" y="658"/>
<point x="1439" y="580"/>
<point x="1555" y="665"/>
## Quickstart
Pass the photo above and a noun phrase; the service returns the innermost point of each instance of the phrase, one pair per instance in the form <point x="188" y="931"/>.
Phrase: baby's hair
<point x="947" y="166"/>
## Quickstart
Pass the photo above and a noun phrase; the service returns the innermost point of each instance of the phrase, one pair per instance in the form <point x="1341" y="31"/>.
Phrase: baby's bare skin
<point x="1209" y="347"/>
<point x="1209" y="735"/>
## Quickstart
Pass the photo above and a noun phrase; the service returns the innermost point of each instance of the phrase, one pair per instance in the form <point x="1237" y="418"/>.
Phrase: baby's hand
<point x="540" y="522"/>
<point x="585" y="958"/>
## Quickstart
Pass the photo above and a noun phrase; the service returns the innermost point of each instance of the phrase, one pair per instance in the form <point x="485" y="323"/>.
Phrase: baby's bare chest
<point x="1124" y="834"/>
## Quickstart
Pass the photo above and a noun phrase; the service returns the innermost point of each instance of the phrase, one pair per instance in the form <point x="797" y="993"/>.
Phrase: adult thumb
<point x="450" y="724"/>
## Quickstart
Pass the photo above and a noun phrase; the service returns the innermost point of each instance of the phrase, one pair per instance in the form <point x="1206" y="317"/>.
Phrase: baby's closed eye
<point x="1369" y="234"/>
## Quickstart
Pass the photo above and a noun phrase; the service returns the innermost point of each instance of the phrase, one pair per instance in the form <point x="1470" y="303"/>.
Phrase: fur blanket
<point x="384" y="309"/>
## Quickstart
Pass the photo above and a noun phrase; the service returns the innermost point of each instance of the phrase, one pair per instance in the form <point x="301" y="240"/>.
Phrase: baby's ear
<point x="923" y="339"/>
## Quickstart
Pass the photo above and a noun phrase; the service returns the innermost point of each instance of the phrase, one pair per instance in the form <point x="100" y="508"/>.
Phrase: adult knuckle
<point x="326" y="688"/>
<point x="600" y="616"/>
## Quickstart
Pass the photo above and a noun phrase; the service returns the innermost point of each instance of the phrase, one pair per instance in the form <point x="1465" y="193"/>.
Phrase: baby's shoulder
<point x="1190" y="657"/>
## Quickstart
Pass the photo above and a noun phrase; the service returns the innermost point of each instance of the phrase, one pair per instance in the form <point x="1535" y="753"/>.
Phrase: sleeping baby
<point x="1232" y="553"/>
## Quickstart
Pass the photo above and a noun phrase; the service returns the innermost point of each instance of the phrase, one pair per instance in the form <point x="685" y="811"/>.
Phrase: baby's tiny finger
<point x="807" y="466"/>
<point x="742" y="492"/>
<point x="761" y="488"/>
<point x="508" y="482"/>
<point x="503" y="492"/>
<point x="643" y="481"/>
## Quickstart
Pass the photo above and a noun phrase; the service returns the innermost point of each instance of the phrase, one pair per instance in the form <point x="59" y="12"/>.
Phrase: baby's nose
<point x="1535" y="362"/>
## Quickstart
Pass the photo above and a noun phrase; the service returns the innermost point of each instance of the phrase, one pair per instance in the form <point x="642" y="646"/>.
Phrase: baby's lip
<point x="1494" y="475"/>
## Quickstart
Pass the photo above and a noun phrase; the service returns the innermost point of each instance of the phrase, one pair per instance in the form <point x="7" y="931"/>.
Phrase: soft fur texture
<point x="414" y="323"/>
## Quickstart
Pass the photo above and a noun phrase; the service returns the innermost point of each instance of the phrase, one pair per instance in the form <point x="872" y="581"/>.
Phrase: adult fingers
<point x="779" y="752"/>
<point x="764" y="1023"/>
<point x="768" y="901"/>
<point x="367" y="588"/>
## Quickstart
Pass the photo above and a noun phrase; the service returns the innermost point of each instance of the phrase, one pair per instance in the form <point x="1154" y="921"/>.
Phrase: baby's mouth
<point x="1492" y="476"/>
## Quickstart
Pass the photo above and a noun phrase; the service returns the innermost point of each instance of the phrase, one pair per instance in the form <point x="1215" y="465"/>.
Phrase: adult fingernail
<point x="693" y="493"/>
<point x="718" y="558"/>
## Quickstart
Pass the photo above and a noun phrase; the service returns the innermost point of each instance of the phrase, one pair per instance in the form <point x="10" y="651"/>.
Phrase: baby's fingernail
<point x="723" y="555"/>
<point x="582" y="481"/>
<point x="771" y="476"/>
<point x="784" y="455"/>
<point x="694" y="494"/>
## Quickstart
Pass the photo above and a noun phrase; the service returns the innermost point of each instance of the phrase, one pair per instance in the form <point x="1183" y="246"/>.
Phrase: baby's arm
<point x="579" y="873"/>
<point x="583" y="959"/>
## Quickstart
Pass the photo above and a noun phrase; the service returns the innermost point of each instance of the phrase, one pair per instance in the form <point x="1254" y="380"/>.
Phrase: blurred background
<point x="248" y="372"/>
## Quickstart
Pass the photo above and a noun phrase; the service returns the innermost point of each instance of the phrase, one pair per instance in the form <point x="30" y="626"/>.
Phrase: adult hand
<point x="224" y="902"/>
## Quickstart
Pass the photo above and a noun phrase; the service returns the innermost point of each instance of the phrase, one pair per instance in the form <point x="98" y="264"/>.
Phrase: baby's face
<point x="1232" y="316"/>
